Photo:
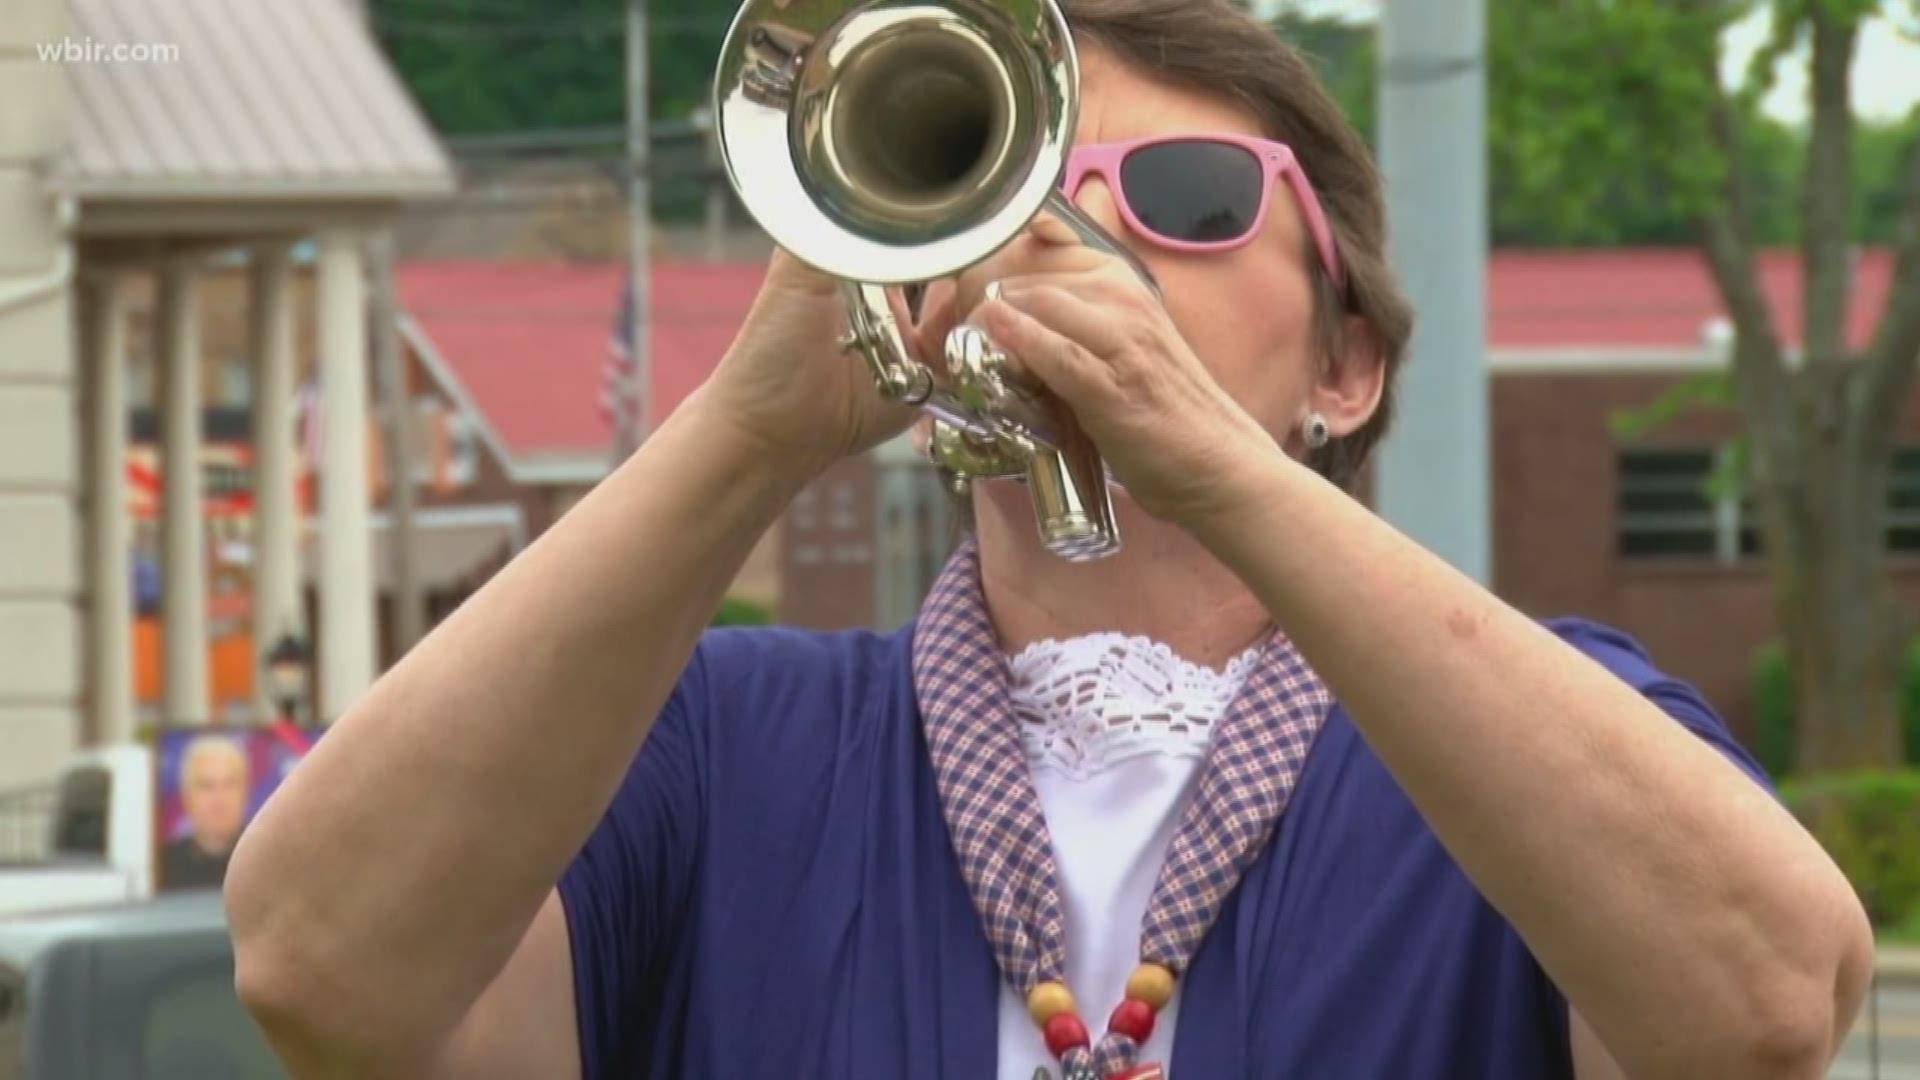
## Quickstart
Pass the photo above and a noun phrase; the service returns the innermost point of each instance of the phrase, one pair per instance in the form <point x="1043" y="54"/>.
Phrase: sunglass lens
<point x="1193" y="192"/>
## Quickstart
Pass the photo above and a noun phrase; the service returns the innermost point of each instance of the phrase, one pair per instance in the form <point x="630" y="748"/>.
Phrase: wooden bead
<point x="1048" y="1000"/>
<point x="1134" y="1019"/>
<point x="1151" y="983"/>
<point x="1064" y="1032"/>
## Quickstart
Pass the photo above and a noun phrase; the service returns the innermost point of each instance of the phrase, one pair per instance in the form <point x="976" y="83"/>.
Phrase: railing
<point x="26" y="824"/>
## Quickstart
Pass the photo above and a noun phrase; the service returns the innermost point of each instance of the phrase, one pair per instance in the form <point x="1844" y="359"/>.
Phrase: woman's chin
<point x="1005" y="507"/>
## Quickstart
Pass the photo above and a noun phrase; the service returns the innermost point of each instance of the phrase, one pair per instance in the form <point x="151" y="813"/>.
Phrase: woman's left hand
<point x="1081" y="323"/>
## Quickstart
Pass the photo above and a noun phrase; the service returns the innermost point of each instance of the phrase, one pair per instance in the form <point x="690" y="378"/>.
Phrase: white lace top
<point x="1092" y="702"/>
<point x="1115" y="729"/>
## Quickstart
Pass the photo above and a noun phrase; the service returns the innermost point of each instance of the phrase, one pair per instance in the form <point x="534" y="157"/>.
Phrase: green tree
<point x="494" y="66"/>
<point x="1541" y="193"/>
<point x="1346" y="55"/>
<point x="1544" y="193"/>
<point x="1877" y="159"/>
<point x="1614" y="84"/>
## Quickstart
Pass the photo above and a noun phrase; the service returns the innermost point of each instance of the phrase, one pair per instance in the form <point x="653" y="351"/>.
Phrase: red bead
<point x="1064" y="1032"/>
<point x="1134" y="1019"/>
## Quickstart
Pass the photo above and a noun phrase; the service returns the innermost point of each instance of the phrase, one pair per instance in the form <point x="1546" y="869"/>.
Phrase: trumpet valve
<point x="963" y="454"/>
<point x="978" y="369"/>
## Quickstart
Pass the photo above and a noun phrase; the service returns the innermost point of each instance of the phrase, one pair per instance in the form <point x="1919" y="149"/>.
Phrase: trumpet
<point x="890" y="143"/>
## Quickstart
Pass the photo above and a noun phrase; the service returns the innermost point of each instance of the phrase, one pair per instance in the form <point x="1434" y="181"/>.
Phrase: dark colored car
<point x="129" y="992"/>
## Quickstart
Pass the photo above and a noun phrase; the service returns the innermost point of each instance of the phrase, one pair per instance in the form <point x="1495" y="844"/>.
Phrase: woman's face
<point x="1246" y="313"/>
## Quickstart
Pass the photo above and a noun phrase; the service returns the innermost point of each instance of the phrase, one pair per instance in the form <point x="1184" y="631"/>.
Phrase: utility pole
<point x="716" y="185"/>
<point x="1434" y="467"/>
<point x="396" y="412"/>
<point x="640" y="248"/>
<point x="383" y="302"/>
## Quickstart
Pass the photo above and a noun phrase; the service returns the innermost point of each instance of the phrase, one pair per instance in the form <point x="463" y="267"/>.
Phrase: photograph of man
<point x="214" y="782"/>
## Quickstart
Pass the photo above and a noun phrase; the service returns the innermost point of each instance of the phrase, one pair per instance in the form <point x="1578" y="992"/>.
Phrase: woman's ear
<point x="1347" y="390"/>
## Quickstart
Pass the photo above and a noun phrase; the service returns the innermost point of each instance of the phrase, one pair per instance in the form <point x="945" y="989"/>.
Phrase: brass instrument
<point x="893" y="142"/>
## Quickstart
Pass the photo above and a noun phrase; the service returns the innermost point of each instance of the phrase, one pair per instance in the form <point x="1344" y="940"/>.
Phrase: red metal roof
<point x="529" y="339"/>
<point x="1646" y="298"/>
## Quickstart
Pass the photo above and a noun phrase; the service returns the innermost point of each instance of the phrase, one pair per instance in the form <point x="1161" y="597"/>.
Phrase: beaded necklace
<point x="1006" y="856"/>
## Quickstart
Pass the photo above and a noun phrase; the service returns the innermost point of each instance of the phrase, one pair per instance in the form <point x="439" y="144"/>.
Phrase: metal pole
<point x="716" y="193"/>
<point x="409" y="604"/>
<point x="640" y="214"/>
<point x="389" y="360"/>
<point x="1873" y="1025"/>
<point x="1434" y="468"/>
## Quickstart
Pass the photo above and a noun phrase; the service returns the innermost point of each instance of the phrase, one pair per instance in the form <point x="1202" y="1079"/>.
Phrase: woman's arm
<point x="1690" y="920"/>
<point x="386" y="884"/>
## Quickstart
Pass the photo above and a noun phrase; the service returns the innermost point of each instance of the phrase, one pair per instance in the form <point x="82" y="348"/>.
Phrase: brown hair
<point x="1211" y="47"/>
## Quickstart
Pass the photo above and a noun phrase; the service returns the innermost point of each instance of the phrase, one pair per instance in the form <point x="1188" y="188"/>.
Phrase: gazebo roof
<point x="254" y="100"/>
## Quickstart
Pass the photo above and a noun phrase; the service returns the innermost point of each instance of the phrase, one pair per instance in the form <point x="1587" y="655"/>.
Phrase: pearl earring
<point x="1314" y="430"/>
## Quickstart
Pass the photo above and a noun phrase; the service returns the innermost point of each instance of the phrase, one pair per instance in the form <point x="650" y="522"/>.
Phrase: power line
<point x="542" y="140"/>
<point x="584" y="25"/>
<point x="506" y="9"/>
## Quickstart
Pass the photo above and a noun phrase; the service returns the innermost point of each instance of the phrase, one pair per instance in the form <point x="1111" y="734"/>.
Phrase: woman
<point x="1082" y="818"/>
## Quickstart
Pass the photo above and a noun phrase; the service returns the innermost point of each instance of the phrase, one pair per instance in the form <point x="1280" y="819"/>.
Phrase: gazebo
<point x="192" y="131"/>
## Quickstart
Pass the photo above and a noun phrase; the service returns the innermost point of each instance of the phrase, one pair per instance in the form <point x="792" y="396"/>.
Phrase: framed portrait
<point x="209" y="783"/>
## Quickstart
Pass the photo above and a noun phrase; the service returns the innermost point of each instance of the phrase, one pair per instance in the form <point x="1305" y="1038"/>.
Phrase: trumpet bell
<point x="895" y="141"/>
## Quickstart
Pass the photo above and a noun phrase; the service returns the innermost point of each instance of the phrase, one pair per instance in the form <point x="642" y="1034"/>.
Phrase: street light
<point x="287" y="668"/>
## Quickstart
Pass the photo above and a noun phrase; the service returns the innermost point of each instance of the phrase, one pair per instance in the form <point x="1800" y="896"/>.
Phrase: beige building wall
<point x="41" y="594"/>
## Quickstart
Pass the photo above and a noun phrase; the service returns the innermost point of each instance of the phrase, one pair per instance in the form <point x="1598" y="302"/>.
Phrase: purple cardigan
<point x="772" y="895"/>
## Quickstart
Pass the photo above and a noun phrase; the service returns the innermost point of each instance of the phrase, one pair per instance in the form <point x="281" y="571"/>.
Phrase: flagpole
<point x="637" y="413"/>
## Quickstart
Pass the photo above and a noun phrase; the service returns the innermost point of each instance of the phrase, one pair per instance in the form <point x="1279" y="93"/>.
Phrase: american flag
<point x="312" y="424"/>
<point x="617" y="384"/>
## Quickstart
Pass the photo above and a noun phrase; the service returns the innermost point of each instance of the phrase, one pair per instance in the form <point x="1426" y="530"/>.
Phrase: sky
<point x="1886" y="74"/>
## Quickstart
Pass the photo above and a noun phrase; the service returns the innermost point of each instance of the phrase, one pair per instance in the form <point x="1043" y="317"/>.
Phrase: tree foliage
<point x="1563" y="168"/>
<point x="497" y="66"/>
<point x="1578" y="153"/>
<point x="1821" y="426"/>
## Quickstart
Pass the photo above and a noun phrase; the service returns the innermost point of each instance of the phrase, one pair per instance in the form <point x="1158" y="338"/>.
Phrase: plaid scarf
<point x="993" y="813"/>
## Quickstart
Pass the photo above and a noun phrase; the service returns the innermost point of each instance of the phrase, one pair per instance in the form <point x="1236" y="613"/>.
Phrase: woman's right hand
<point x="786" y="383"/>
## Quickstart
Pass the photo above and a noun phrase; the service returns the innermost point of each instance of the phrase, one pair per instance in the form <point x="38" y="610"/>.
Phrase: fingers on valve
<point x="1050" y="356"/>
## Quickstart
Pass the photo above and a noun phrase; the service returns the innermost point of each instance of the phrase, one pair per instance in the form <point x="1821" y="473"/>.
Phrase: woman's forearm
<point x="389" y="879"/>
<point x="1685" y="914"/>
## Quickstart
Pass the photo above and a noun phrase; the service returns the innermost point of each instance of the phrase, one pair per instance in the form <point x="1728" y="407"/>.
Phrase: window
<point x="141" y="393"/>
<point x="236" y="382"/>
<point x="82" y="814"/>
<point x="915" y="533"/>
<point x="1666" y="510"/>
<point x="446" y="446"/>
<point x="1903" y="501"/>
<point x="223" y="478"/>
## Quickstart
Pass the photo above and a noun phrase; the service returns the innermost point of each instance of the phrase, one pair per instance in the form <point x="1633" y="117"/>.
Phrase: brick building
<point x="522" y="347"/>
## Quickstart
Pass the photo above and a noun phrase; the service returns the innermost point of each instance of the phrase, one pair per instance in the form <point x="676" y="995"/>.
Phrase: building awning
<point x="455" y="547"/>
<point x="239" y="99"/>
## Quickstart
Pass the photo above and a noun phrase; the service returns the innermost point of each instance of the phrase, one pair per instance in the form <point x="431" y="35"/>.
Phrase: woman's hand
<point x="786" y="384"/>
<point x="1081" y="323"/>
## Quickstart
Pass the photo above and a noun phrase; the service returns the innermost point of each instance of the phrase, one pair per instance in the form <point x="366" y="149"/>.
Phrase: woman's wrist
<point x="738" y="439"/>
<point x="1242" y="497"/>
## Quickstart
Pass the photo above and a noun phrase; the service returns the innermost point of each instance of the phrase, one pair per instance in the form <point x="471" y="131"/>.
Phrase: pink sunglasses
<point x="1202" y="193"/>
